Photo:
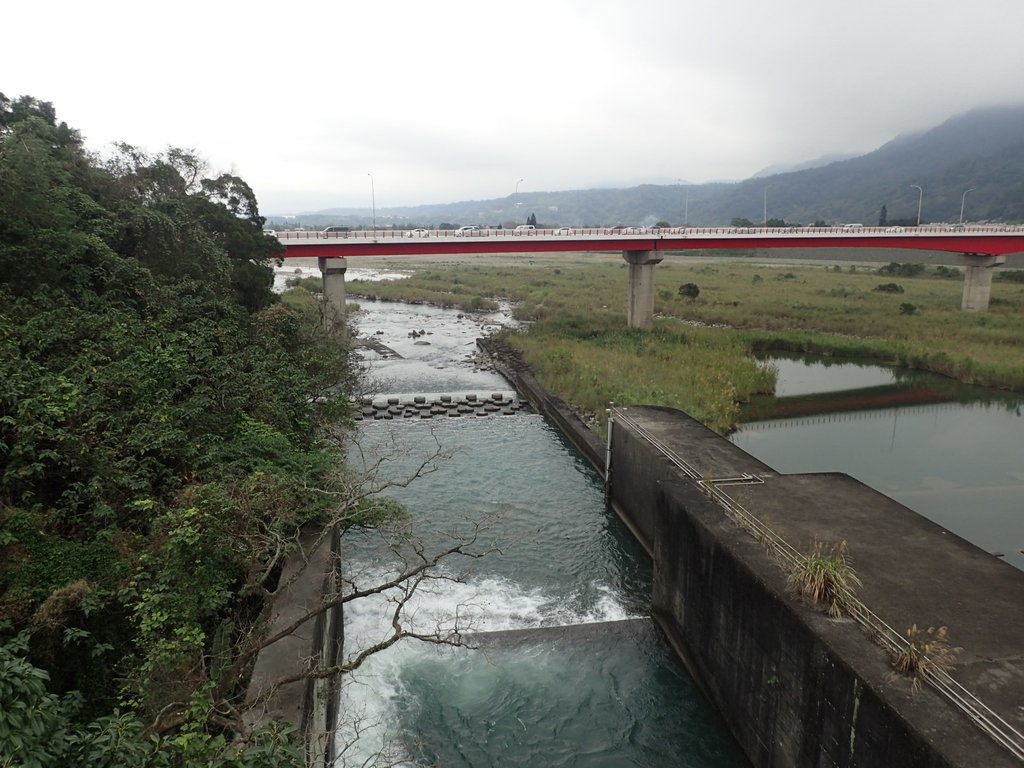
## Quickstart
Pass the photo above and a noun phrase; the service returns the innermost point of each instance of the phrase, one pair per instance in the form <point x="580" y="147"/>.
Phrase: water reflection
<point x="949" y="451"/>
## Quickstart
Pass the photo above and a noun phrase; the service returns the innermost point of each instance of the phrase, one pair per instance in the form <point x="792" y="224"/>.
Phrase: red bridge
<point x="977" y="248"/>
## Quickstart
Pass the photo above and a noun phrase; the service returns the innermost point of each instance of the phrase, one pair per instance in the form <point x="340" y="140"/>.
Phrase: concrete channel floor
<point x="913" y="571"/>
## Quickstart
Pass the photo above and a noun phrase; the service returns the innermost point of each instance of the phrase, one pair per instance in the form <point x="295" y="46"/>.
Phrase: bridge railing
<point x="647" y="232"/>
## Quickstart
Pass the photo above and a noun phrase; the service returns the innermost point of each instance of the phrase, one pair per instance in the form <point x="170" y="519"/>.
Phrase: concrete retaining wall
<point x="310" y="704"/>
<point x="796" y="687"/>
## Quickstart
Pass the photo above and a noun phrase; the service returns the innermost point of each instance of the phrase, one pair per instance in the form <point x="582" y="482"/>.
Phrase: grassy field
<point x="699" y="355"/>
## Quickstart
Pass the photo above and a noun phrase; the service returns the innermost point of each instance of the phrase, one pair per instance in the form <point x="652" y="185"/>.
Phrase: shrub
<point x="310" y="283"/>
<point x="689" y="291"/>
<point x="888" y="288"/>
<point x="901" y="270"/>
<point x="1010" y="276"/>
<point x="906" y="308"/>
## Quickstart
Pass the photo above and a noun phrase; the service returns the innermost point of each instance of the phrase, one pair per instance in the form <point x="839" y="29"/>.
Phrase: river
<point x="553" y="683"/>
<point x="570" y="691"/>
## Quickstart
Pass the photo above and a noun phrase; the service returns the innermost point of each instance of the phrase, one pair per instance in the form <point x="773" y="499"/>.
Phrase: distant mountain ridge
<point x="981" y="151"/>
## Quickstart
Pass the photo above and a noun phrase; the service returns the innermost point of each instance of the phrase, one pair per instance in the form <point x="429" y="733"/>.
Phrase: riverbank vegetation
<point x="163" y="441"/>
<point x="699" y="356"/>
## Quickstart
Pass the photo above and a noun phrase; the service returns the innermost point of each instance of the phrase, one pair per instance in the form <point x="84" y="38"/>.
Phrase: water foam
<point x="368" y="731"/>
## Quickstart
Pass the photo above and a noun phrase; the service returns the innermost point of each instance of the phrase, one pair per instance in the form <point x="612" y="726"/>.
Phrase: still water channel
<point x="593" y="694"/>
<point x="951" y="452"/>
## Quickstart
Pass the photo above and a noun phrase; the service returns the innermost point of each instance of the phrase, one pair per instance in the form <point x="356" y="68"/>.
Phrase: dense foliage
<point x="159" y="440"/>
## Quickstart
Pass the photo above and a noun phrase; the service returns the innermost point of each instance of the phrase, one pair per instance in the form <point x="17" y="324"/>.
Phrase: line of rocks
<point x="430" y="406"/>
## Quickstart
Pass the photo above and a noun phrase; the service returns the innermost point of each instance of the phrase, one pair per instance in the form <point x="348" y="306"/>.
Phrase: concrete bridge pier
<point x="333" y="272"/>
<point x="640" y="309"/>
<point x="978" y="280"/>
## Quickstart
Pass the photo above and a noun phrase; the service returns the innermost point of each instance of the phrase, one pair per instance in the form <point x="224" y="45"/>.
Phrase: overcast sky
<point x="449" y="100"/>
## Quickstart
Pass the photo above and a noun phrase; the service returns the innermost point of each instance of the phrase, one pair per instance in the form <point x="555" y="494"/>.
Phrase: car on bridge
<point x="564" y="231"/>
<point x="467" y="231"/>
<point x="336" y="231"/>
<point x="524" y="229"/>
<point x="418" y="232"/>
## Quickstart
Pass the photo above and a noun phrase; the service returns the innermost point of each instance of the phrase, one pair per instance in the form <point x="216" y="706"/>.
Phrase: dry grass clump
<point x="927" y="653"/>
<point x="826" y="578"/>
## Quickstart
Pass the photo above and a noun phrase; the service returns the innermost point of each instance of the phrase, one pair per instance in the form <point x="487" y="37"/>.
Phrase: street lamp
<point x="920" y="198"/>
<point x="373" y="202"/>
<point x="517" y="190"/>
<point x="963" y="200"/>
<point x="766" y="207"/>
<point x="686" y="207"/>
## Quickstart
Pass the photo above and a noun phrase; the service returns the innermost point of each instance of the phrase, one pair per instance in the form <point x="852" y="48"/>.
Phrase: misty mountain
<point x="777" y="168"/>
<point x="981" y="151"/>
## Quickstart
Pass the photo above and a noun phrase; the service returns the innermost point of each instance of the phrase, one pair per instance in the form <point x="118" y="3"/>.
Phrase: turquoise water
<point x="585" y="695"/>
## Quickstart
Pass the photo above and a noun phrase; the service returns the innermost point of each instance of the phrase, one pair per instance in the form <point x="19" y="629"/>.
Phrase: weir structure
<point x="730" y="537"/>
<point x="978" y="249"/>
<point x="797" y="687"/>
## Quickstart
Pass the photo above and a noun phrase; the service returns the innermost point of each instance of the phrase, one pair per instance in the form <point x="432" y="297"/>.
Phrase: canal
<point x="569" y="670"/>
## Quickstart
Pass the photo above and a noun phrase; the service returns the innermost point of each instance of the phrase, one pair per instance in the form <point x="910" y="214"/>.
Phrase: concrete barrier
<point x="310" y="704"/>
<point x="797" y="687"/>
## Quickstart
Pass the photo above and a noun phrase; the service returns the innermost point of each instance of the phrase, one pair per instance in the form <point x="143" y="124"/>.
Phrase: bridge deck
<point x="992" y="241"/>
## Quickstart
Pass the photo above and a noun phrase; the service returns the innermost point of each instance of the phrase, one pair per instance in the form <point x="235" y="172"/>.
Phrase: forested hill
<point x="981" y="150"/>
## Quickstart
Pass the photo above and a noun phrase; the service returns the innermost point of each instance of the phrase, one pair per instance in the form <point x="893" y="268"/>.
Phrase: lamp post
<point x="920" y="199"/>
<point x="766" y="207"/>
<point x="373" y="203"/>
<point x="963" y="201"/>
<point x="686" y="207"/>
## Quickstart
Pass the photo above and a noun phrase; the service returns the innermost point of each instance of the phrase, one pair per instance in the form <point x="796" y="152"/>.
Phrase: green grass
<point x="576" y="339"/>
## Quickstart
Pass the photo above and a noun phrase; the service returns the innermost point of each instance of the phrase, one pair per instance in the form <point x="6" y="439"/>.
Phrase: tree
<point x="532" y="219"/>
<point x="883" y="216"/>
<point x="166" y="431"/>
<point x="739" y="221"/>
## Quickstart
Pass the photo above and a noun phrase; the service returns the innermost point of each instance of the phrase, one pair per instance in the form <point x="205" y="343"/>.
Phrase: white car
<point x="564" y="231"/>
<point x="419" y="232"/>
<point x="467" y="231"/>
<point x="523" y="229"/>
